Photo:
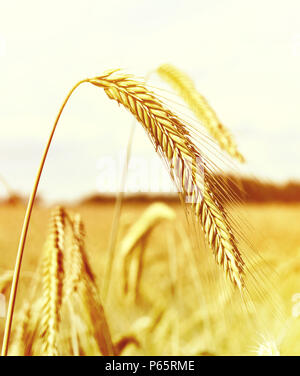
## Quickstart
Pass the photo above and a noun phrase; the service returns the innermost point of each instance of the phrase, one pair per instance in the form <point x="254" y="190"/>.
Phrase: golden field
<point x="168" y="316"/>
<point x="116" y="253"/>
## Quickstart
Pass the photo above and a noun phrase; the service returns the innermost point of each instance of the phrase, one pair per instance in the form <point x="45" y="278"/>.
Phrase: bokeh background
<point x="244" y="57"/>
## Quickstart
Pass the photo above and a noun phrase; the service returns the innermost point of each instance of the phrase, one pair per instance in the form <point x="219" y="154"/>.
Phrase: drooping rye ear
<point x="173" y="142"/>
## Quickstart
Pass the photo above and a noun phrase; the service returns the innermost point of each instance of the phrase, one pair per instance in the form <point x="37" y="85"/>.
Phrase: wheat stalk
<point x="172" y="140"/>
<point x="69" y="302"/>
<point x="136" y="236"/>
<point x="80" y="287"/>
<point x="52" y="282"/>
<point x="25" y="228"/>
<point x="141" y="228"/>
<point x="185" y="87"/>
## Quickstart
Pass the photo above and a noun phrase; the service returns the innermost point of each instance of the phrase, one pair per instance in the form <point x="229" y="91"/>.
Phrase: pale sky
<point x="244" y="56"/>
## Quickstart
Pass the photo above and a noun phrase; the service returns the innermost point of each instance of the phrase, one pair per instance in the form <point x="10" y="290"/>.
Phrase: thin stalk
<point x="116" y="219"/>
<point x="13" y="293"/>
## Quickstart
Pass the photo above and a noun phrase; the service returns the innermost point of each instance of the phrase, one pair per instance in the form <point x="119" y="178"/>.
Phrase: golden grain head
<point x="52" y="282"/>
<point x="173" y="142"/>
<point x="185" y="87"/>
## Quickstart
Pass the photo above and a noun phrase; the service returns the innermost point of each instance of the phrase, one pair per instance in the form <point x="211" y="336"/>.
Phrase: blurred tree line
<point x="252" y="190"/>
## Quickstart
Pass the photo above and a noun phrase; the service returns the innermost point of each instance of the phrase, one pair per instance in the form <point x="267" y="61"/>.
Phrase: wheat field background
<point x="157" y="151"/>
<point x="179" y="330"/>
